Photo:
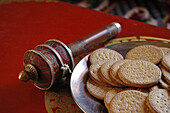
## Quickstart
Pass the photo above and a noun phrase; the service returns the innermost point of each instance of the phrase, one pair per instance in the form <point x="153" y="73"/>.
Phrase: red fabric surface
<point x="25" y="25"/>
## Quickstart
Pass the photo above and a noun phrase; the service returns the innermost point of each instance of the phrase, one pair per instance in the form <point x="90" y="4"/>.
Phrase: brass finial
<point x="30" y="72"/>
<point x="24" y="76"/>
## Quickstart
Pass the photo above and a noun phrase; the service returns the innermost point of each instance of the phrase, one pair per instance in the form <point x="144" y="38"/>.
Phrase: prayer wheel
<point x="48" y="63"/>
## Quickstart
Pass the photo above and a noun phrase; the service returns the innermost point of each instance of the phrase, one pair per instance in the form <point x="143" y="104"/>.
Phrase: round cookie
<point x="102" y="55"/>
<point x="145" y="52"/>
<point x="94" y="74"/>
<point x="165" y="50"/>
<point x="158" y="101"/>
<point x="166" y="74"/>
<point x="154" y="87"/>
<point x="97" y="90"/>
<point x="139" y="73"/>
<point x="114" y="69"/>
<point x="104" y="72"/>
<point x="128" y="101"/>
<point x="164" y="84"/>
<point x="166" y="61"/>
<point x="109" y="95"/>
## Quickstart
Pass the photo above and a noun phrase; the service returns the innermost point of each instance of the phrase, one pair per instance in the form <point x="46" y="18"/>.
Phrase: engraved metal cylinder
<point x="53" y="60"/>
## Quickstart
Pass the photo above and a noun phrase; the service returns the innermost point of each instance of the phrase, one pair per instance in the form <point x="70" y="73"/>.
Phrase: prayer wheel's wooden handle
<point x="95" y="38"/>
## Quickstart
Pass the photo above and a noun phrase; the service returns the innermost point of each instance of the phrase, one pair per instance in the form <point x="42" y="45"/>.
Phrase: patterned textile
<point x="158" y="10"/>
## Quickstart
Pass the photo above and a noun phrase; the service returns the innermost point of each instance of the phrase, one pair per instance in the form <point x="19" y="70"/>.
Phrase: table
<point x="23" y="25"/>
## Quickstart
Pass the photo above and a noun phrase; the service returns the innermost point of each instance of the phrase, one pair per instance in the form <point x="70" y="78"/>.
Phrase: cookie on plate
<point x="165" y="50"/>
<point x="109" y="95"/>
<point x="158" y="101"/>
<point x="102" y="55"/>
<point x="97" y="90"/>
<point x="164" y="84"/>
<point x="128" y="101"/>
<point x="94" y="74"/>
<point x="166" y="74"/>
<point x="114" y="69"/>
<point x="104" y="72"/>
<point x="139" y="73"/>
<point x="145" y="52"/>
<point x="166" y="61"/>
<point x="154" y="87"/>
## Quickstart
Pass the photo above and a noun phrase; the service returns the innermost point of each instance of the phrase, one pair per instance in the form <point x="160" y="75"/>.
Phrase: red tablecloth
<point x="25" y="25"/>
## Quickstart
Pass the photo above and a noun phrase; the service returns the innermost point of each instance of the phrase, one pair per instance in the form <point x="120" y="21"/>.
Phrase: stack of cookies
<point x="138" y="83"/>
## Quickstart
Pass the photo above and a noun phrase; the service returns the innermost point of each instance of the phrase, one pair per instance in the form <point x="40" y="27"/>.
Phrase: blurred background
<point x="155" y="12"/>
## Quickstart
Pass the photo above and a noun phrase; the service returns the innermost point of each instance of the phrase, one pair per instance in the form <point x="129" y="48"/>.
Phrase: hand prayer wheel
<point x="48" y="63"/>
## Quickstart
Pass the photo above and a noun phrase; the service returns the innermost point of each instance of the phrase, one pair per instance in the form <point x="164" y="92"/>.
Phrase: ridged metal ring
<point x="67" y="49"/>
<point x="50" y="66"/>
<point x="55" y="53"/>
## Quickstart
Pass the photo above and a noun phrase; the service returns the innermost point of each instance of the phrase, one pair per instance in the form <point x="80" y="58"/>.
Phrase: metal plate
<point x="84" y="100"/>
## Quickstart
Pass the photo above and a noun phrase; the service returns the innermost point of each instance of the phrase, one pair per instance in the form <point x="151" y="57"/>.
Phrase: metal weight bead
<point x="29" y="73"/>
<point x="52" y="61"/>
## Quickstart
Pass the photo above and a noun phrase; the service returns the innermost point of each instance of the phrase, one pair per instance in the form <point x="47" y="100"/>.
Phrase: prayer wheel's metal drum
<point x="48" y="63"/>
